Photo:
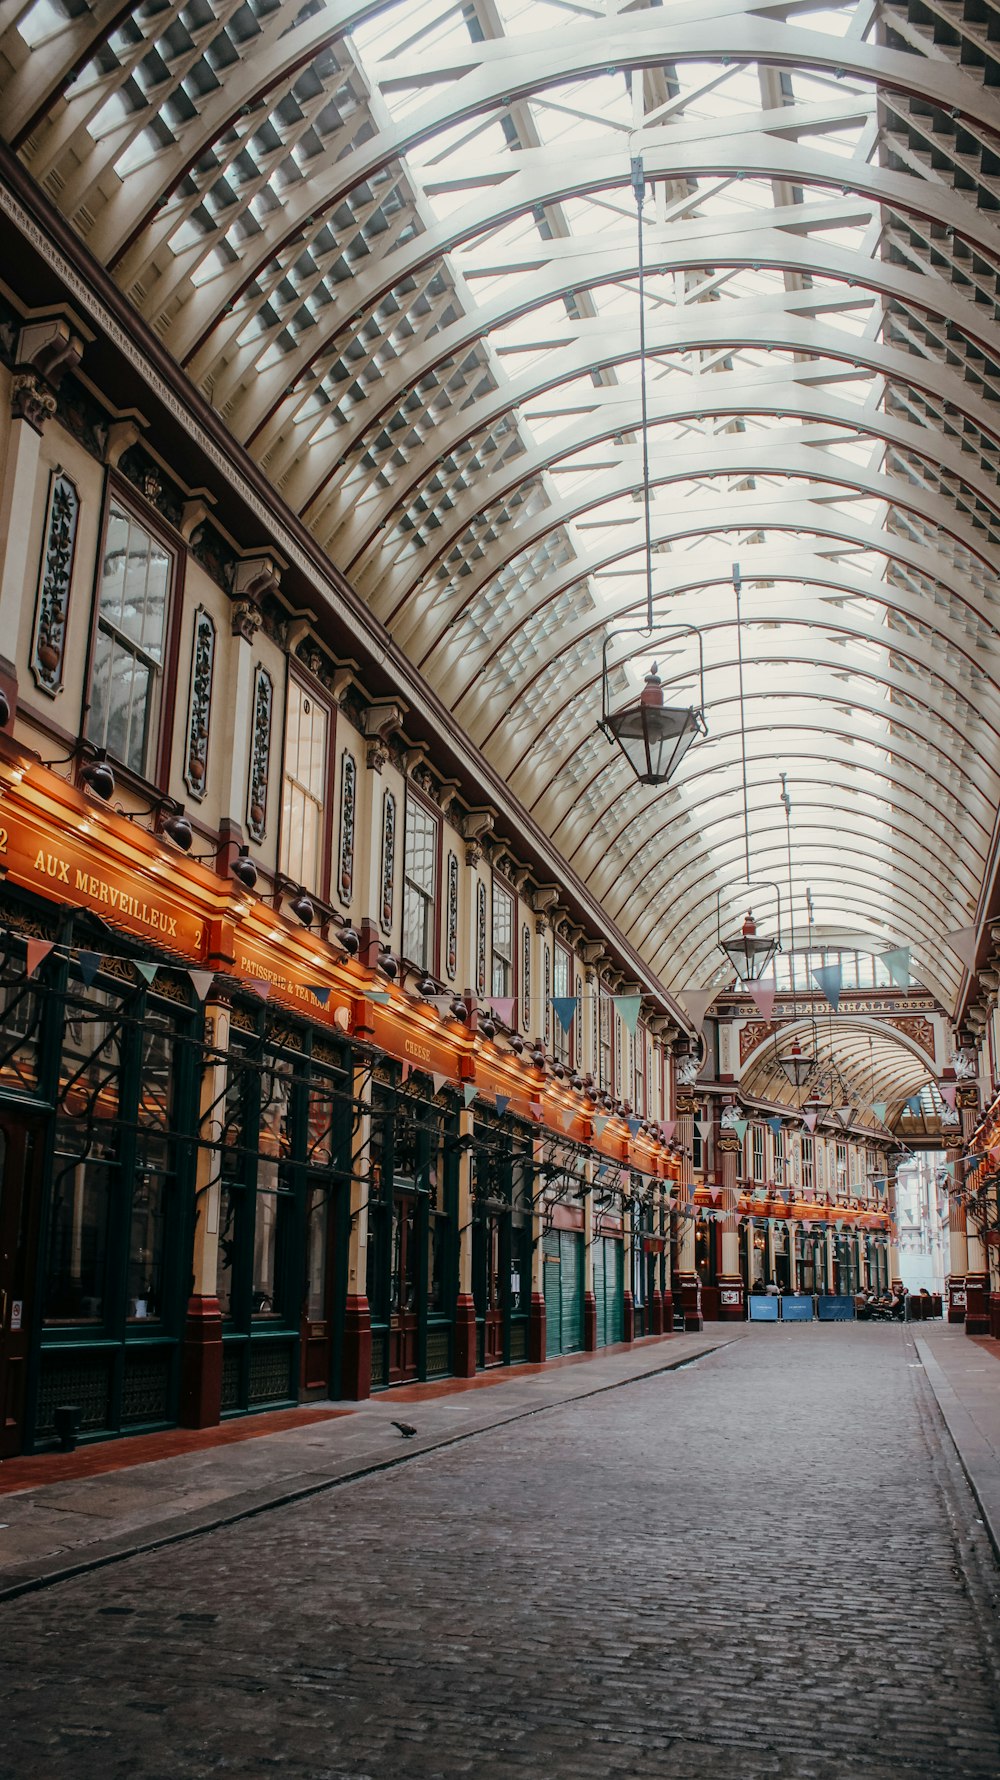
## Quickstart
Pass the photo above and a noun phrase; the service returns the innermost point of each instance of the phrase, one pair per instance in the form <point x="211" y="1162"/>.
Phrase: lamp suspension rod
<point x="737" y="586"/>
<point x="639" y="188"/>
<point x="787" y="802"/>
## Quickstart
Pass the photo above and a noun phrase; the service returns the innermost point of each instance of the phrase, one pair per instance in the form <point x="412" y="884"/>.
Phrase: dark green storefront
<point x="563" y="1284"/>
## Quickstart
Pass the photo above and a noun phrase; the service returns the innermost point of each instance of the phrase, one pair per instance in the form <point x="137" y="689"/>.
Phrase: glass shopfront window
<point x="411" y="1269"/>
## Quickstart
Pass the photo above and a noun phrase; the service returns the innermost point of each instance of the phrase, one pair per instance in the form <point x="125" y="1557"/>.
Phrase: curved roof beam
<point x="822" y="479"/>
<point x="745" y="396"/>
<point x="699" y="571"/>
<point x="512" y="71"/>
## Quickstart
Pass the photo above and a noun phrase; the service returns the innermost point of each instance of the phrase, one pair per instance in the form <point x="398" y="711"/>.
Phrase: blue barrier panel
<point x="763" y="1310"/>
<point x="836" y="1309"/>
<point x="797" y="1310"/>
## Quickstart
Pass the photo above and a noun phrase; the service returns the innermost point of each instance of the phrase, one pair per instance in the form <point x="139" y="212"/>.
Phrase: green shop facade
<point x="126" y="1085"/>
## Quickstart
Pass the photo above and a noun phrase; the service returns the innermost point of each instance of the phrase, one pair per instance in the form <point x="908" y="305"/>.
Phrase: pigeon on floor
<point x="405" y="1429"/>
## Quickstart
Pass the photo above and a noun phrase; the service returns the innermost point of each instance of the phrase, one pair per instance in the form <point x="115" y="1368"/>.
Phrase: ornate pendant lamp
<point x="797" y="1064"/>
<point x="653" y="735"/>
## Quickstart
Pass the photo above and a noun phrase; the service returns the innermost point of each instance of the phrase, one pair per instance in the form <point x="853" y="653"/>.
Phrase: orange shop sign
<point x="66" y="872"/>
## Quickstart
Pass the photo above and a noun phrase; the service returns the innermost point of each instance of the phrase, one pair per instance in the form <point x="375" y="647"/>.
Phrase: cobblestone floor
<point x="767" y="1564"/>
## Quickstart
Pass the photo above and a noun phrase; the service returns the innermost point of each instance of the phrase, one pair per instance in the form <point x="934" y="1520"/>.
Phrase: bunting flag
<point x="567" y="1117"/>
<point x="880" y="1108"/>
<point x="740" y="1128"/>
<point x="536" y="1109"/>
<point x="202" y="980"/>
<point x="949" y="1093"/>
<point x="696" y="1003"/>
<point x="667" y="1129"/>
<point x="633" y="1125"/>
<point x="564" y="1007"/>
<point x="503" y="1101"/>
<point x="146" y="971"/>
<point x="965" y="941"/>
<point x="322" y="994"/>
<point x="259" y="986"/>
<point x="38" y="950"/>
<point x="763" y="994"/>
<point x="995" y="1154"/>
<point x="440" y="1081"/>
<point x="405" y="1071"/>
<point x="913" y="1104"/>
<point x="844" y="1115"/>
<point x="830" y="980"/>
<point x="897" y="963"/>
<point x="809" y="1120"/>
<point x="776" y="1125"/>
<point x="627" y="1008"/>
<point x="378" y="995"/>
<point x="503" y="1007"/>
<point x="469" y="1092"/>
<point x="703" y="1128"/>
<point x="600" y="1124"/>
<point x="90" y="964"/>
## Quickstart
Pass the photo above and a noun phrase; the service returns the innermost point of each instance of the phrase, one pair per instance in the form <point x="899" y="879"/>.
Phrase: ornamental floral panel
<point x="388" y="860"/>
<point x="54" y="576"/>
<point x="578" y="1023"/>
<point x="199" y="704"/>
<point x="451" y="946"/>
<point x="348" y="820"/>
<point x="260" y="754"/>
<point x="526" y="977"/>
<point x="547" y="991"/>
<point x="480" y="938"/>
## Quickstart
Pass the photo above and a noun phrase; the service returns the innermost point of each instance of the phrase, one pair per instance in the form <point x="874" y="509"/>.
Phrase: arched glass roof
<point x="395" y="246"/>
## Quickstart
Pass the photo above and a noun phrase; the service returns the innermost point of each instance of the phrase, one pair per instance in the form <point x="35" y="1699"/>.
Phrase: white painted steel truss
<point x="395" y="246"/>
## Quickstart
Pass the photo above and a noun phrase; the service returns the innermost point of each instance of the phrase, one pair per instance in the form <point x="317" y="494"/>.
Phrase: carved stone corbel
<point x="378" y="720"/>
<point x="252" y="580"/>
<point x="474" y="826"/>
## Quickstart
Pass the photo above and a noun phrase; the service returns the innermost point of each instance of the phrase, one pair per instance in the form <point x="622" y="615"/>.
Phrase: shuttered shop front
<point x="563" y="1277"/>
<point x="608" y="1290"/>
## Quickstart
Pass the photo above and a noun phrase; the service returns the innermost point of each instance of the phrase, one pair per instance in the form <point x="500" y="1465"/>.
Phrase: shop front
<point x="563" y="1280"/>
<point x="412" y="1250"/>
<point x="609" y="1289"/>
<point x="501" y="1238"/>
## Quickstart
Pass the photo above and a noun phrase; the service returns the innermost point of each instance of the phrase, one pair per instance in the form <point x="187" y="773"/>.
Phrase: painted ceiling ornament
<point x="965" y="1063"/>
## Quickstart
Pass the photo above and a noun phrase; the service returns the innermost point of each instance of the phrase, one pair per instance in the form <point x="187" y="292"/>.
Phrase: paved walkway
<point x="63" y="1513"/>
<point x="765" y="1564"/>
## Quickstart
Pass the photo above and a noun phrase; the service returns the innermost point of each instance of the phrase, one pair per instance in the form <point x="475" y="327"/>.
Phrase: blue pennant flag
<point x="322" y="995"/>
<point x="503" y="1101"/>
<point x="90" y="964"/>
<point x="627" y="1007"/>
<point x="776" y="1126"/>
<point x="564" y="1007"/>
<point x="831" y="981"/>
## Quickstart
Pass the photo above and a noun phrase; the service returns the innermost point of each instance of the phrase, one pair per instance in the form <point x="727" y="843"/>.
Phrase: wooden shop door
<point x="404" y="1289"/>
<point x="20" y="1153"/>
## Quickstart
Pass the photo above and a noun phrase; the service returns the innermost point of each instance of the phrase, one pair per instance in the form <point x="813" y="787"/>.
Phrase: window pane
<point x="228" y="1231"/>
<point x="76" y="1271"/>
<point x="146" y="1247"/>
<point x="421" y="837"/>
<point x="304" y="787"/>
<point x="319" y="1218"/>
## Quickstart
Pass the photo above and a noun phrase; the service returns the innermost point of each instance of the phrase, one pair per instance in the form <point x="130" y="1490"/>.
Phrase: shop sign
<point x="261" y="965"/>
<point x="54" y="866"/>
<point x="394" y="1033"/>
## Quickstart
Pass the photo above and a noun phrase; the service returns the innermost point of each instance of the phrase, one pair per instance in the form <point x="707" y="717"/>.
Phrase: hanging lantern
<point x="749" y="952"/>
<point x="653" y="736"/>
<point x="797" y="1065"/>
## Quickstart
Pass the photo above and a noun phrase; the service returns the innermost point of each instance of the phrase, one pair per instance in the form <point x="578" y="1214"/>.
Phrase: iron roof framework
<point x="394" y="245"/>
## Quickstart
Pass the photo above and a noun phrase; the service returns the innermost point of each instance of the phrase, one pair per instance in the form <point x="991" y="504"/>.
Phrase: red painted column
<point x="201" y="1364"/>
<point x="356" y="1367"/>
<point x="536" y="1329"/>
<point x="464" y="1356"/>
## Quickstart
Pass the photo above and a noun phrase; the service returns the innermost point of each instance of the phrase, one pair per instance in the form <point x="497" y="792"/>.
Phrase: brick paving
<point x="768" y="1564"/>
